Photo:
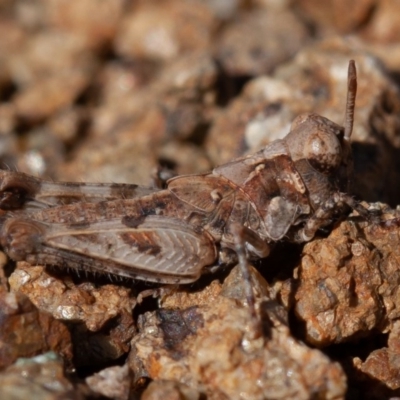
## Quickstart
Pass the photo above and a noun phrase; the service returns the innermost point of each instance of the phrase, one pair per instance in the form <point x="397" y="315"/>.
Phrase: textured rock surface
<point x="137" y="91"/>
<point x="210" y="347"/>
<point x="348" y="282"/>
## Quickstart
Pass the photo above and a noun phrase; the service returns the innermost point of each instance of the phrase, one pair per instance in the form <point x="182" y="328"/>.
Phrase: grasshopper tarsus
<point x="155" y="293"/>
<point x="370" y="215"/>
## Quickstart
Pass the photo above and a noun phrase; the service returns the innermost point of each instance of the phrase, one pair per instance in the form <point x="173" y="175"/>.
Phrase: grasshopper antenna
<point x="351" y="99"/>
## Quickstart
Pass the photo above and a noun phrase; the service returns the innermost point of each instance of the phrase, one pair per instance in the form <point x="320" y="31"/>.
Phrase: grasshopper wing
<point x="153" y="248"/>
<point x="197" y="190"/>
<point x="22" y="191"/>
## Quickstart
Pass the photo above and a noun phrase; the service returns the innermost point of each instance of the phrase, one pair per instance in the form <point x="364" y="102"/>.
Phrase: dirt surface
<point x="139" y="91"/>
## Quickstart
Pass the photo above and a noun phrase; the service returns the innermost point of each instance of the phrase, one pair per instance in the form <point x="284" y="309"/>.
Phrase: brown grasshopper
<point x="286" y="191"/>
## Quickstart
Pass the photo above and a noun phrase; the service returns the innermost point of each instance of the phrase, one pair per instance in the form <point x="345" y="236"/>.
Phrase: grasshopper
<point x="286" y="191"/>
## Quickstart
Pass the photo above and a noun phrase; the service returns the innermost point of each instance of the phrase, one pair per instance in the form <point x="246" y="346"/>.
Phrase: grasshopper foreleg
<point x="326" y="211"/>
<point x="316" y="221"/>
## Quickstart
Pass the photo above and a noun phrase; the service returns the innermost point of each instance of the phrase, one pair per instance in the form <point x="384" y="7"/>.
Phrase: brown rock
<point x="168" y="390"/>
<point x="337" y="16"/>
<point x="135" y="139"/>
<point x="70" y="302"/>
<point x="383" y="24"/>
<point x="26" y="332"/>
<point x="41" y="377"/>
<point x="211" y="348"/>
<point x="95" y="22"/>
<point x="336" y="298"/>
<point x="48" y="96"/>
<point x="347" y="282"/>
<point x="150" y="125"/>
<point x="165" y="29"/>
<point x="113" y="382"/>
<point x="101" y="317"/>
<point x="30" y="62"/>
<point x="260" y="40"/>
<point x="383" y="365"/>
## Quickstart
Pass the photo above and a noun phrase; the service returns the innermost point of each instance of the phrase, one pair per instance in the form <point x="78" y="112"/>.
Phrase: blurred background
<point x="114" y="90"/>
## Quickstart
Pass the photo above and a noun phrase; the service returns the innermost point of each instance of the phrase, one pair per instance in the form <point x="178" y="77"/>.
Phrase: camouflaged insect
<point x="286" y="191"/>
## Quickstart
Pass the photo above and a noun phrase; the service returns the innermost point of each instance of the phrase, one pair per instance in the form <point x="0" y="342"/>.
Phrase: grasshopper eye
<point x="323" y="151"/>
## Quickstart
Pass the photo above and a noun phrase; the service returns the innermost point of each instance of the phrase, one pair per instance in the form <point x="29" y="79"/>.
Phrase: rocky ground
<point x="137" y="91"/>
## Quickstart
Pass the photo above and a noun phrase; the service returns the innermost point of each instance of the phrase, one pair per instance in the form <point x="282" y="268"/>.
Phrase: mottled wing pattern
<point x="154" y="248"/>
<point x="200" y="191"/>
<point x="54" y="194"/>
<point x="21" y="191"/>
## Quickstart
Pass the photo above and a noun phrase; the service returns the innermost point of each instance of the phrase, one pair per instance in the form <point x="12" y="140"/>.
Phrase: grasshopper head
<point x="320" y="147"/>
<point x="320" y="142"/>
